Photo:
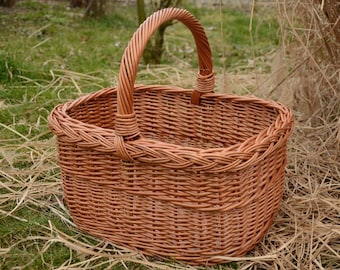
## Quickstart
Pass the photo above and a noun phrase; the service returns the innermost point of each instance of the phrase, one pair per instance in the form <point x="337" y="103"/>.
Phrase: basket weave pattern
<point x="181" y="173"/>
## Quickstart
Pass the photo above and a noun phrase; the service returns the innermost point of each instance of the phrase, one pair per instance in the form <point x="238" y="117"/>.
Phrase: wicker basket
<point x="172" y="172"/>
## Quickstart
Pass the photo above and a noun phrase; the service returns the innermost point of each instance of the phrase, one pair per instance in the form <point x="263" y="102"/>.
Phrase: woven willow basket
<point x="180" y="173"/>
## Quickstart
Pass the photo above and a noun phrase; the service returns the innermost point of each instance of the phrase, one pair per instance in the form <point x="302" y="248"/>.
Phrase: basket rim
<point x="235" y="156"/>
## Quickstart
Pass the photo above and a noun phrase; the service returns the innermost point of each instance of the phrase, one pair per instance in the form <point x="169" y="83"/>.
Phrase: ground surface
<point x="49" y="55"/>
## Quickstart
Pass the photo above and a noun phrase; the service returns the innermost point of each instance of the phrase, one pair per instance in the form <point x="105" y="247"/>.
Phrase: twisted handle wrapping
<point x="131" y="59"/>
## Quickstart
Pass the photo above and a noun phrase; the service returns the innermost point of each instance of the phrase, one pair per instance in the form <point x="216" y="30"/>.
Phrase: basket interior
<point x="169" y="117"/>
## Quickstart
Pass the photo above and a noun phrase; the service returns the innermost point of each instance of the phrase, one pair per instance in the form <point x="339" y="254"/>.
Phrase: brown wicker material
<point x="172" y="172"/>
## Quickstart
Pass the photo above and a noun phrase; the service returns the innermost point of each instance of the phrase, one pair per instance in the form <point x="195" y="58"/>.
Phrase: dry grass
<point x="306" y="232"/>
<point x="306" y="74"/>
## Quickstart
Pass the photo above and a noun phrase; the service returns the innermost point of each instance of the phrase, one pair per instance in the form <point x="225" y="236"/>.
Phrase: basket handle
<point x="126" y="122"/>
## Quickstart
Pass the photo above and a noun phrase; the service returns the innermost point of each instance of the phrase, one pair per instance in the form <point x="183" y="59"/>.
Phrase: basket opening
<point x="169" y="117"/>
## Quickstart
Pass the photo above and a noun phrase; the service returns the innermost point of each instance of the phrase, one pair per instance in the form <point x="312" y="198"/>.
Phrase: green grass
<point x="50" y="54"/>
<point x="14" y="231"/>
<point x="236" y="38"/>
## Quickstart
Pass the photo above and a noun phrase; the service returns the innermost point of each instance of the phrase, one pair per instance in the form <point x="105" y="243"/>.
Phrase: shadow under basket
<point x="177" y="173"/>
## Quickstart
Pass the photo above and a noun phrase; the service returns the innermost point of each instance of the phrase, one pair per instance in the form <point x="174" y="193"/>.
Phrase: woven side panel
<point x="204" y="191"/>
<point x="159" y="228"/>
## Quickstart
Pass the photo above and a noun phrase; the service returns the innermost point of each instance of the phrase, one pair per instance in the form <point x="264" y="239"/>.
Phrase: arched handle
<point x="126" y="123"/>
